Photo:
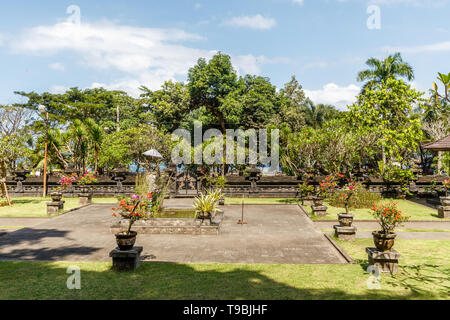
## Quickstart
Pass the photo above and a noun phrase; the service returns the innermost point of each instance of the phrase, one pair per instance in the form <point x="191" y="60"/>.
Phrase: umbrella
<point x="153" y="154"/>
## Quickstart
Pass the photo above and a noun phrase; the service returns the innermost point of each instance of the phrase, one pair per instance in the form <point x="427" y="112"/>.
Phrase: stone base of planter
<point x="387" y="262"/>
<point x="345" y="233"/>
<point x="126" y="260"/>
<point x="444" y="212"/>
<point x="84" y="199"/>
<point x="54" y="207"/>
<point x="319" y="211"/>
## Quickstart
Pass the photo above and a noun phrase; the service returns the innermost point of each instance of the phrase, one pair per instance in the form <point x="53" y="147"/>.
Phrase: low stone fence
<point x="237" y="186"/>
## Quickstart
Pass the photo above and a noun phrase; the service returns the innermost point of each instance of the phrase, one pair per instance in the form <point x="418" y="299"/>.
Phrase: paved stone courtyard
<point x="279" y="234"/>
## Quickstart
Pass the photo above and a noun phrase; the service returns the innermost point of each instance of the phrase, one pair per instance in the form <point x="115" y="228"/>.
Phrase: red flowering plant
<point x="327" y="187"/>
<point x="388" y="216"/>
<point x="446" y="184"/>
<point x="133" y="208"/>
<point x="66" y="182"/>
<point x="87" y="178"/>
<point x="346" y="195"/>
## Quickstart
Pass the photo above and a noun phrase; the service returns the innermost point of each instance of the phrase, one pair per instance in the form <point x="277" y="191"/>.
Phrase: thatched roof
<point x="440" y="145"/>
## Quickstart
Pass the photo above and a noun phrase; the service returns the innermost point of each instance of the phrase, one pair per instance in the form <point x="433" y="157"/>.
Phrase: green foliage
<point x="382" y="70"/>
<point x="361" y="198"/>
<point x="387" y="112"/>
<point x="206" y="203"/>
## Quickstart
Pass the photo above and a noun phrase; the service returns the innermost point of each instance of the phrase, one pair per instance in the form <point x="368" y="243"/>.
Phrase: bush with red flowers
<point x="388" y="216"/>
<point x="133" y="208"/>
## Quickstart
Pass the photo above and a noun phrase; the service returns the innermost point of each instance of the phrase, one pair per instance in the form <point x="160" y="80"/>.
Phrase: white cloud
<point x="335" y="95"/>
<point x="435" y="47"/>
<point x="253" y="22"/>
<point x="57" y="66"/>
<point x="141" y="56"/>
<point x="415" y="3"/>
<point x="58" y="89"/>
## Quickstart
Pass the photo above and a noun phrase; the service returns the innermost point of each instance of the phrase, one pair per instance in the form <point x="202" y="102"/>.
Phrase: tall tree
<point x="380" y="70"/>
<point x="388" y="111"/>
<point x="209" y="84"/>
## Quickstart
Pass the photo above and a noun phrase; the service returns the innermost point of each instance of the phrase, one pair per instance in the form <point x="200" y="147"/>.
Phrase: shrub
<point x="361" y="198"/>
<point x="389" y="217"/>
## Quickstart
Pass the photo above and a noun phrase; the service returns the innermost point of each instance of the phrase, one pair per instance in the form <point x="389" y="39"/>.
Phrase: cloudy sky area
<point x="125" y="44"/>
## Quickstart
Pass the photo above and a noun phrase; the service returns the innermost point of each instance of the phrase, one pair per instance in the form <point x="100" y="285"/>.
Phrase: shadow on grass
<point x="157" y="281"/>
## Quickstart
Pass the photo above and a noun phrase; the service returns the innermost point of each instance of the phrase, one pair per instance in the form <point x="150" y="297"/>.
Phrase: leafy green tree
<point x="209" y="83"/>
<point x="387" y="111"/>
<point x="381" y="70"/>
<point x="168" y="106"/>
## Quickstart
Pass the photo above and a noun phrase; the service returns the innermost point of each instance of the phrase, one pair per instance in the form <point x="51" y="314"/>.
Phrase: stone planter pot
<point x="345" y="220"/>
<point x="126" y="241"/>
<point x="204" y="215"/>
<point x="221" y="201"/>
<point x="383" y="242"/>
<point x="318" y="202"/>
<point x="445" y="201"/>
<point x="85" y="198"/>
<point x="56" y="196"/>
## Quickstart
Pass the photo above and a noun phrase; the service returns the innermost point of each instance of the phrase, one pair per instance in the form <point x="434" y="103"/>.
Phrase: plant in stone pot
<point x="205" y="205"/>
<point x="346" y="219"/>
<point x="131" y="208"/>
<point x="389" y="217"/>
<point x="88" y="178"/>
<point x="445" y="200"/>
<point x="305" y="189"/>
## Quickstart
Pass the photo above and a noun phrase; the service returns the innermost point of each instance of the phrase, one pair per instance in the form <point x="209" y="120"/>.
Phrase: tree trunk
<point x="439" y="162"/>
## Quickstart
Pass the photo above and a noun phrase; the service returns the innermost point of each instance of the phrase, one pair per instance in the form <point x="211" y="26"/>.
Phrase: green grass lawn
<point x="424" y="274"/>
<point x="36" y="206"/>
<point x="409" y="208"/>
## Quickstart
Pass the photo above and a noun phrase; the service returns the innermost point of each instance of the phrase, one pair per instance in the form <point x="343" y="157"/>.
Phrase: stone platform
<point x="387" y="262"/>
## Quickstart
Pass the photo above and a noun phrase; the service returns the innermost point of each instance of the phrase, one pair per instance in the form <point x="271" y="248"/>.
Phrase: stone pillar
<point x="319" y="211"/>
<point x="54" y="207"/>
<point x="126" y="260"/>
<point x="444" y="209"/>
<point x="386" y="262"/>
<point x="85" y="198"/>
<point x="345" y="231"/>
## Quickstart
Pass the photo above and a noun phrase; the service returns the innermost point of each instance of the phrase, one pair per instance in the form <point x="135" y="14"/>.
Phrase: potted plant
<point x="389" y="217"/>
<point x="65" y="183"/>
<point x="131" y="208"/>
<point x="445" y="200"/>
<point x="306" y="189"/>
<point x="88" y="178"/>
<point x="346" y="219"/>
<point x="205" y="205"/>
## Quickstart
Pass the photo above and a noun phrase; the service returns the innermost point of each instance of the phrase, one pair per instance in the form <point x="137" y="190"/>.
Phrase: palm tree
<point x="96" y="135"/>
<point x="381" y="70"/>
<point x="317" y="114"/>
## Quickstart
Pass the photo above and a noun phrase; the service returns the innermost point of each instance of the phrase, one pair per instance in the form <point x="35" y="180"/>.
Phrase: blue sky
<point x="125" y="44"/>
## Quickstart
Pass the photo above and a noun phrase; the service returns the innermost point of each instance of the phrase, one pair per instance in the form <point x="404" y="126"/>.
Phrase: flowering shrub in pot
<point x="389" y="217"/>
<point x="445" y="200"/>
<point x="346" y="219"/>
<point x="131" y="208"/>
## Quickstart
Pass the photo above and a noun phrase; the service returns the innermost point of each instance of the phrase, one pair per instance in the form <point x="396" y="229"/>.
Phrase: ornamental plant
<point x="446" y="184"/>
<point x="327" y="187"/>
<point x="388" y="217"/>
<point x="133" y="208"/>
<point x="306" y="188"/>
<point x="206" y="203"/>
<point x="346" y="194"/>
<point x="87" y="178"/>
<point x="66" y="182"/>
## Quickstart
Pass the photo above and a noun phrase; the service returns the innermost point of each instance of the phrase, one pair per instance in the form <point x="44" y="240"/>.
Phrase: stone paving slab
<point x="274" y="234"/>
